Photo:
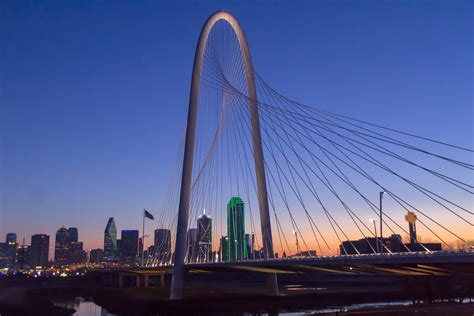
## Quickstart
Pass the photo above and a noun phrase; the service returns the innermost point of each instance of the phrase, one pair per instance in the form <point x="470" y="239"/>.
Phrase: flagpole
<point x="143" y="238"/>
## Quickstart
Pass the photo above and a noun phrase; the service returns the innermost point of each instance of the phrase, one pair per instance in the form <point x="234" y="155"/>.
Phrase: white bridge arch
<point x="186" y="180"/>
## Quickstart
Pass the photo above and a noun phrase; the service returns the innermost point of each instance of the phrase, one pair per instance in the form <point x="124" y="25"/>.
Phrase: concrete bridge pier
<point x="272" y="284"/>
<point x="131" y="277"/>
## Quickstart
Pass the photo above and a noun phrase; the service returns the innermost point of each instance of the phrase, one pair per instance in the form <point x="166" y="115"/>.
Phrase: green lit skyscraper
<point x="236" y="246"/>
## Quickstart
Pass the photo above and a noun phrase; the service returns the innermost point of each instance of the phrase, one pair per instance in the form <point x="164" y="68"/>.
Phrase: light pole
<point x="381" y="235"/>
<point x="297" y="244"/>
<point x="375" y="234"/>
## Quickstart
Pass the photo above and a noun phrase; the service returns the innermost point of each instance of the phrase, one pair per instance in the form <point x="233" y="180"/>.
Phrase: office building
<point x="223" y="249"/>
<point x="363" y="246"/>
<point x="23" y="257"/>
<point x="236" y="245"/>
<point x="393" y="244"/>
<point x="72" y="235"/>
<point x="8" y="251"/>
<point x="39" y="250"/>
<point x="76" y="253"/>
<point x="150" y="252"/>
<point x="162" y="243"/>
<point x="10" y="238"/>
<point x="250" y="244"/>
<point x="4" y="262"/>
<point x="96" y="255"/>
<point x="129" y="245"/>
<point x="110" y="241"/>
<point x="61" y="247"/>
<point x="204" y="228"/>
<point x="191" y="245"/>
<point x="119" y="247"/>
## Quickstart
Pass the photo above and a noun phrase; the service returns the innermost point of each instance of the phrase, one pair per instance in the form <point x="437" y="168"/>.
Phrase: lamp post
<point x="297" y="244"/>
<point x="381" y="235"/>
<point x="375" y="234"/>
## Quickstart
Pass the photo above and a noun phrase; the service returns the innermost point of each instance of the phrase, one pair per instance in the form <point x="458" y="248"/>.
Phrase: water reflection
<point x="86" y="307"/>
<point x="83" y="307"/>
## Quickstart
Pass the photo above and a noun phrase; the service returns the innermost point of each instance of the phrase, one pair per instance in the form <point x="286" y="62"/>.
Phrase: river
<point x="86" y="307"/>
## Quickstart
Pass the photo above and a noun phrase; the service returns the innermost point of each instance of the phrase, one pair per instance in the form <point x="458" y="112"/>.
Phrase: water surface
<point x="83" y="307"/>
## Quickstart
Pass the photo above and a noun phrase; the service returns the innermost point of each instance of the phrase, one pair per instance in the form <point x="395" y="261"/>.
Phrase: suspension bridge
<point x="266" y="183"/>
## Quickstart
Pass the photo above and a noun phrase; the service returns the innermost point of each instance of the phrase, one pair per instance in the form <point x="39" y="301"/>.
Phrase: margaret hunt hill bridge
<point x="266" y="184"/>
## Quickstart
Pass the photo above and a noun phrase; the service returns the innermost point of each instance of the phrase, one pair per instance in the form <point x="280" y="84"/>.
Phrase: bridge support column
<point x="120" y="279"/>
<point x="137" y="281"/>
<point x="162" y="280"/>
<point x="272" y="284"/>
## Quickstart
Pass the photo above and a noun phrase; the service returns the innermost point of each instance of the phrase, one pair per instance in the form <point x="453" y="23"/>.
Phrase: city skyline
<point x="65" y="166"/>
<point x="161" y="243"/>
<point x="66" y="248"/>
<point x="224" y="158"/>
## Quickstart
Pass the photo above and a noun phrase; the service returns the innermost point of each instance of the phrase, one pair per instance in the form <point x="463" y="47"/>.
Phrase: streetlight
<point x="375" y="234"/>
<point x="381" y="235"/>
<point x="297" y="244"/>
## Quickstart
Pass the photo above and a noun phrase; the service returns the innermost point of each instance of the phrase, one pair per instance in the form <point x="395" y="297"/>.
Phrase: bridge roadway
<point x="416" y="263"/>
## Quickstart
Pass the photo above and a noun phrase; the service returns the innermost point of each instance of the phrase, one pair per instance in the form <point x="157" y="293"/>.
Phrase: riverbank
<point x="205" y="301"/>
<point x="434" y="309"/>
<point x="238" y="293"/>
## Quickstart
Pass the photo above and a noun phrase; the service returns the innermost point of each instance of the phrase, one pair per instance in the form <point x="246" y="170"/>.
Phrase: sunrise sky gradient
<point x="93" y="95"/>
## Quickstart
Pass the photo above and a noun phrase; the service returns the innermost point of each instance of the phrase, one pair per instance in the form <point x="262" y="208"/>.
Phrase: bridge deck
<point x="434" y="263"/>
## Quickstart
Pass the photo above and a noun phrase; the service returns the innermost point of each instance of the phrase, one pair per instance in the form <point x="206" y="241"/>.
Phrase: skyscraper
<point x="223" y="249"/>
<point x="4" y="262"/>
<point x="76" y="253"/>
<point x="204" y="228"/>
<point x="39" y="250"/>
<point x="236" y="245"/>
<point x="110" y="241"/>
<point x="10" y="238"/>
<point x="72" y="235"/>
<point x="10" y="249"/>
<point x="191" y="245"/>
<point x="162" y="244"/>
<point x="250" y="243"/>
<point x="23" y="257"/>
<point x="96" y="256"/>
<point x="129" y="245"/>
<point x="61" y="247"/>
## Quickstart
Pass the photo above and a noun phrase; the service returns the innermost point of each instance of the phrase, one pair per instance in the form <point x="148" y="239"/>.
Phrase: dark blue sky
<point x="94" y="93"/>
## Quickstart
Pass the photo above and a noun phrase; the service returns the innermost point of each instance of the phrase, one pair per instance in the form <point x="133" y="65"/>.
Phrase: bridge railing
<point x="423" y="254"/>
